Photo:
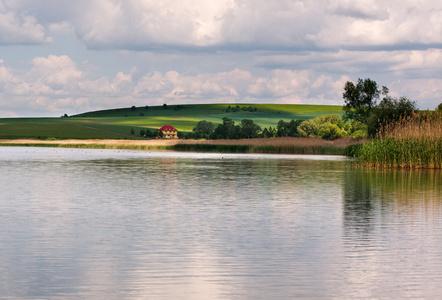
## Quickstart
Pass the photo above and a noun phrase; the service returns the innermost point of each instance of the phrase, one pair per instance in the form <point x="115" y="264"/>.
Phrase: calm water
<point x="104" y="224"/>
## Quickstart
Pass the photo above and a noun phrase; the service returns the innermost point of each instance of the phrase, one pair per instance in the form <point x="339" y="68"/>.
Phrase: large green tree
<point x="389" y="110"/>
<point x="204" y="127"/>
<point x="360" y="99"/>
<point x="249" y="129"/>
<point x="361" y="105"/>
<point x="226" y="130"/>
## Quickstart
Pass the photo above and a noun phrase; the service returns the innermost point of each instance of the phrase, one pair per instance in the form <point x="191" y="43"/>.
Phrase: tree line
<point x="367" y="108"/>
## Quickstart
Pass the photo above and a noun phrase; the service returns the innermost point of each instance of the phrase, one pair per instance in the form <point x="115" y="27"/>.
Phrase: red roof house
<point x="169" y="132"/>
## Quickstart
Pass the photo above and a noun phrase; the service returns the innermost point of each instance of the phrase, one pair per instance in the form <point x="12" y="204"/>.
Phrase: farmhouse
<point x="169" y="132"/>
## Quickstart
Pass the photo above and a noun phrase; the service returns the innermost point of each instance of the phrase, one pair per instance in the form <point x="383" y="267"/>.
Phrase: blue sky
<point x="60" y="56"/>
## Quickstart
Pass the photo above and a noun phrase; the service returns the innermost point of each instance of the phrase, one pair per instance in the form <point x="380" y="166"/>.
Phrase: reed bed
<point x="270" y="146"/>
<point x="266" y="149"/>
<point x="413" y="142"/>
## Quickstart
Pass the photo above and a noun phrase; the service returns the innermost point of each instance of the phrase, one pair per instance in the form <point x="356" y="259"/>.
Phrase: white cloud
<point x="254" y="51"/>
<point x="426" y="91"/>
<point x="57" y="83"/>
<point x="16" y="27"/>
<point x="374" y="23"/>
<point x="225" y="24"/>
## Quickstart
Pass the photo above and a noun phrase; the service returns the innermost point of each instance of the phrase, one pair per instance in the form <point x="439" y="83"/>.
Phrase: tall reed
<point x="412" y="142"/>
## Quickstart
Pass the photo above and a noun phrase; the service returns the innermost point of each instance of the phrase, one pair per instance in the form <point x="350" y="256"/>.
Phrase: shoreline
<point x="280" y="145"/>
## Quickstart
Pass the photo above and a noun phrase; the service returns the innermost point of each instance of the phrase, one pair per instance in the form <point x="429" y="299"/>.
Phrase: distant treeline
<point x="328" y="127"/>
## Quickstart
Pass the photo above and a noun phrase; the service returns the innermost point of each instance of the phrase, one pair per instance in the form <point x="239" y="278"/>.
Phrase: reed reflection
<point x="370" y="196"/>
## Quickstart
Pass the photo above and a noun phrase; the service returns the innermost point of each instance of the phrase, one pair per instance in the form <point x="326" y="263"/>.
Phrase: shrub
<point x="330" y="132"/>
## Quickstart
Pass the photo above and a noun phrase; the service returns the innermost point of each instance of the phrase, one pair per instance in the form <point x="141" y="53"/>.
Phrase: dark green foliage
<point x="141" y="115"/>
<point x="142" y="132"/>
<point x="361" y="105"/>
<point x="269" y="133"/>
<point x="324" y="150"/>
<point x="353" y="150"/>
<point x="282" y="128"/>
<point x="147" y="107"/>
<point x="288" y="128"/>
<point x="360" y="99"/>
<point x="389" y="110"/>
<point x="439" y="107"/>
<point x="165" y="106"/>
<point x="204" y="127"/>
<point x="132" y="131"/>
<point x="228" y="130"/>
<point x="238" y="108"/>
<point x="249" y="129"/>
<point x="133" y="108"/>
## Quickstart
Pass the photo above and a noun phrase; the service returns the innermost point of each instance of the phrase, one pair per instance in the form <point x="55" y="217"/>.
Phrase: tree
<point x="133" y="108"/>
<point x="132" y="131"/>
<point x="360" y="99"/>
<point x="309" y="128"/>
<point x="226" y="130"/>
<point x="330" y="132"/>
<point x="164" y="106"/>
<point x="249" y="129"/>
<point x="439" y="107"/>
<point x="282" y="129"/>
<point x="327" y="127"/>
<point x="142" y="132"/>
<point x="389" y="110"/>
<point x="204" y="127"/>
<point x="293" y="127"/>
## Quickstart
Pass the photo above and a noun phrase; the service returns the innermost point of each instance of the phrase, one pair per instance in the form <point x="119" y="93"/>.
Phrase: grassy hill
<point x="117" y="123"/>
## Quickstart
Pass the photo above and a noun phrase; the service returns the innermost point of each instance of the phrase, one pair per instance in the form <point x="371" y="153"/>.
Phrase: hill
<point x="117" y="123"/>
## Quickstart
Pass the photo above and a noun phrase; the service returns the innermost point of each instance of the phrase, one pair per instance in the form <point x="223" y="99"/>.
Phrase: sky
<point x="66" y="57"/>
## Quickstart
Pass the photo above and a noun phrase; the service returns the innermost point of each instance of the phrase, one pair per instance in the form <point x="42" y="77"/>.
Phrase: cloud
<point x="426" y="91"/>
<point x="234" y="25"/>
<point x="57" y="83"/>
<point x="381" y="24"/>
<point x="16" y="27"/>
<point x="293" y="51"/>
<point x="370" y="9"/>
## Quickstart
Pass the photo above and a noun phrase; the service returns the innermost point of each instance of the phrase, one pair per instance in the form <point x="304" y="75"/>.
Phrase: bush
<point x="309" y="128"/>
<point x="330" y="132"/>
<point x="359" y="134"/>
<point x="329" y="127"/>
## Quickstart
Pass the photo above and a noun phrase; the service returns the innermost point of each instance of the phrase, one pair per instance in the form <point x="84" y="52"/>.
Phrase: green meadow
<point x="117" y="123"/>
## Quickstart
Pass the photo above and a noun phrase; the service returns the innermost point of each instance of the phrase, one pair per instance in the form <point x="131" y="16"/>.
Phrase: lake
<point x="111" y="224"/>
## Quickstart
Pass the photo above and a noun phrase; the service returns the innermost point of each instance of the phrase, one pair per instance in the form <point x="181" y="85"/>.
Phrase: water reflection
<point x="110" y="224"/>
<point x="391" y="221"/>
<point x="371" y="192"/>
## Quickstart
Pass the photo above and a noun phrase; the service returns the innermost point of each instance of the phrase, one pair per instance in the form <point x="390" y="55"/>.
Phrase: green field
<point x="117" y="123"/>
